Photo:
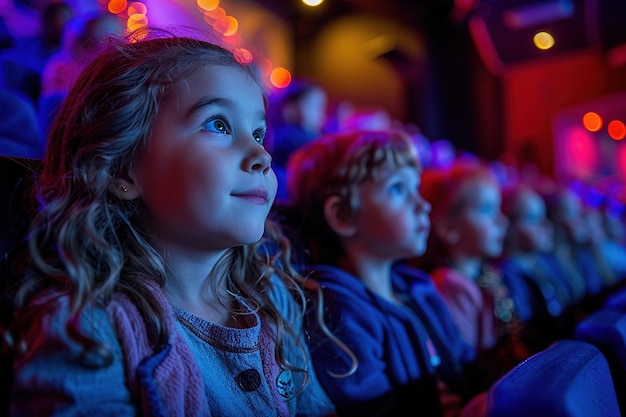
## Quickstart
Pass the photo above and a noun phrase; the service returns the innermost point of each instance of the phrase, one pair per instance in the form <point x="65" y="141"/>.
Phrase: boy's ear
<point x="126" y="186"/>
<point x="336" y="218"/>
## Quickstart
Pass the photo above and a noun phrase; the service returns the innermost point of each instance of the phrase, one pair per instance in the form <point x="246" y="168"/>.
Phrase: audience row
<point x="392" y="276"/>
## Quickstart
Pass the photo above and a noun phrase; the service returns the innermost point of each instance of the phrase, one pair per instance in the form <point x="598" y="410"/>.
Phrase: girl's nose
<point x="422" y="205"/>
<point x="503" y="221"/>
<point x="258" y="158"/>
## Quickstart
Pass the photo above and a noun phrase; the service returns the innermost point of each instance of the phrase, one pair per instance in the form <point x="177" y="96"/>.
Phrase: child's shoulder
<point x="412" y="273"/>
<point x="449" y="279"/>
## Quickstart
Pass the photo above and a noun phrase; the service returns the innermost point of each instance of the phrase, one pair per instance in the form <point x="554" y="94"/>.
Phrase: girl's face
<point x="572" y="218"/>
<point x="393" y="221"/>
<point x="531" y="231"/>
<point x="205" y="179"/>
<point x="477" y="229"/>
<point x="312" y="110"/>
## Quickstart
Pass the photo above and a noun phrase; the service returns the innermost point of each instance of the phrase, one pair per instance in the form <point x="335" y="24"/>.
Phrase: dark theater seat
<point x="16" y="202"/>
<point x="571" y="378"/>
<point x="606" y="329"/>
<point x="17" y="206"/>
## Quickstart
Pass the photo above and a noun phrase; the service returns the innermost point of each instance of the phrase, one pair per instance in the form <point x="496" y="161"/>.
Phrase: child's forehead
<point x="210" y="70"/>
<point x="477" y="188"/>
<point x="382" y="153"/>
<point x="388" y="168"/>
<point x="221" y="79"/>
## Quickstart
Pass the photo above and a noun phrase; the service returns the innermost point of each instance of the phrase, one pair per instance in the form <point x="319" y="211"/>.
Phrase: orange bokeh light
<point x="136" y="21"/>
<point x="208" y="5"/>
<point x="592" y="121"/>
<point x="117" y="6"/>
<point x="214" y="14"/>
<point x="616" y="129"/>
<point x="234" y="39"/>
<point x="543" y="40"/>
<point x="227" y="25"/>
<point x="137" y="7"/>
<point x="280" y="77"/>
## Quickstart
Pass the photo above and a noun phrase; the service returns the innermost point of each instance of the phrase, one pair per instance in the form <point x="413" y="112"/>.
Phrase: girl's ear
<point x="336" y="218"/>
<point x="126" y="187"/>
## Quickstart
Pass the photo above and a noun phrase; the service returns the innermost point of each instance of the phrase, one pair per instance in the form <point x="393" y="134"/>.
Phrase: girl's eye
<point x="259" y="135"/>
<point x="532" y="219"/>
<point x="217" y="125"/>
<point x="486" y="209"/>
<point x="397" y="188"/>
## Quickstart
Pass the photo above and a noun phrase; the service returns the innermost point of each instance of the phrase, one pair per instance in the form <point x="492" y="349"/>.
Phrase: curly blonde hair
<point x="87" y="243"/>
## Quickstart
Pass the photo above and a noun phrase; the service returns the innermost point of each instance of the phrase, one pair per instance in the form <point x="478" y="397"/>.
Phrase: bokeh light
<point x="136" y="21"/>
<point x="616" y="129"/>
<point x="117" y="6"/>
<point x="212" y="15"/>
<point x="312" y="3"/>
<point x="226" y="25"/>
<point x="543" y="40"/>
<point x="137" y="7"/>
<point x="592" y="121"/>
<point x="581" y="151"/>
<point x="234" y="39"/>
<point x="208" y="5"/>
<point x="280" y="77"/>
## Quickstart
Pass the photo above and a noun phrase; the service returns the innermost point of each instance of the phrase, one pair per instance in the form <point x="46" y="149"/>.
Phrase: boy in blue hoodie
<point x="355" y="207"/>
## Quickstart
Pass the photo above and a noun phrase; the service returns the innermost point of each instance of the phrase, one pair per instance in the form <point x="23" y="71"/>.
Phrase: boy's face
<point x="532" y="230"/>
<point x="205" y="178"/>
<point x="480" y="225"/>
<point x="572" y="217"/>
<point x="393" y="222"/>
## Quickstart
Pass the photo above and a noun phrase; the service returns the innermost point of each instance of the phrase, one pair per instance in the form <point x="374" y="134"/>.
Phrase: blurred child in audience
<point x="81" y="33"/>
<point x="21" y="65"/>
<point x="586" y="269"/>
<point x="357" y="210"/>
<point x="368" y="119"/>
<point x="613" y="219"/>
<point x="467" y="236"/>
<point x="296" y="115"/>
<point x="607" y="229"/>
<point x="540" y="294"/>
<point x="19" y="131"/>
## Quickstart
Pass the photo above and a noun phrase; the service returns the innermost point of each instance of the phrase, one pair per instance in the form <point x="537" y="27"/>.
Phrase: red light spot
<point x="117" y="6"/>
<point x="616" y="129"/>
<point x="592" y="121"/>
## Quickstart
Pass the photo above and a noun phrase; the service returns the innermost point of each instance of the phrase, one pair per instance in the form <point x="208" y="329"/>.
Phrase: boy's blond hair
<point x="336" y="165"/>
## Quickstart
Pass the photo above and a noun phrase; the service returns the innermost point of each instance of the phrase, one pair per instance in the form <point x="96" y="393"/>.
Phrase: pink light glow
<point x="581" y="152"/>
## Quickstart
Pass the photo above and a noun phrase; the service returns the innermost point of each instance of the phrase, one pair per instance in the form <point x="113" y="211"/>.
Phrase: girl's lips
<point x="256" y="196"/>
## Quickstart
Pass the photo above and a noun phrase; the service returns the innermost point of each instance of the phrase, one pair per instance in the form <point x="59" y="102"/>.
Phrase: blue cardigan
<point x="145" y="379"/>
<point x="400" y="349"/>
